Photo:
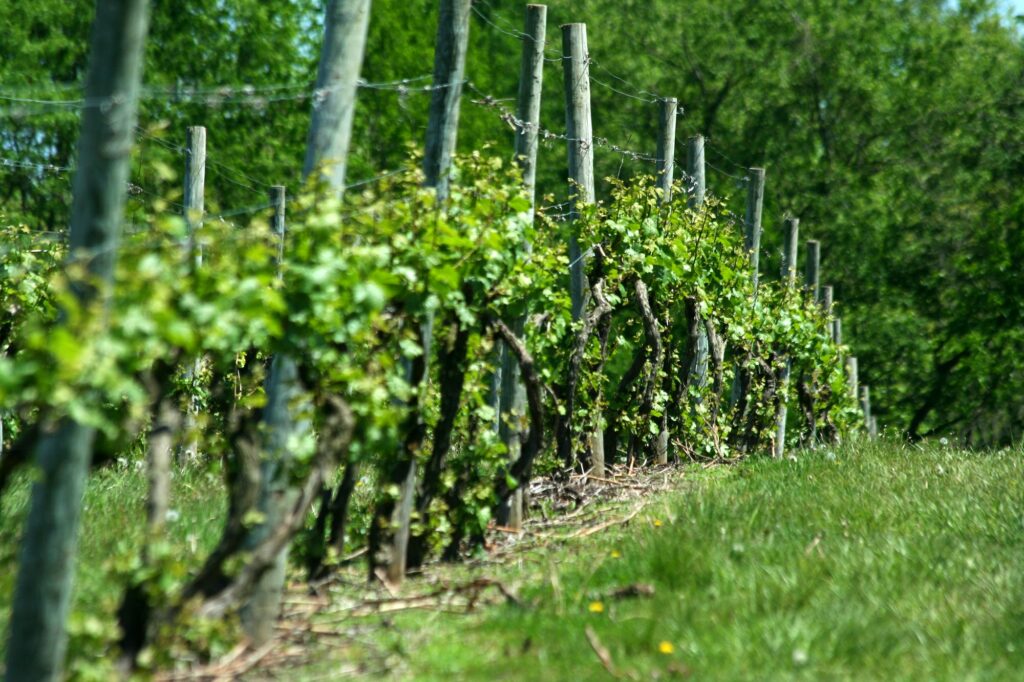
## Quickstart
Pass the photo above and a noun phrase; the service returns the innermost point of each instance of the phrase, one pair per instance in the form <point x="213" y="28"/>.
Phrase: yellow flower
<point x="596" y="607"/>
<point x="666" y="648"/>
<point x="657" y="523"/>
<point x="616" y="554"/>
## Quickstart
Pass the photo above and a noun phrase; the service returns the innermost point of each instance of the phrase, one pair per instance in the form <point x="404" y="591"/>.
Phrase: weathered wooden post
<point x="284" y="429"/>
<point x="865" y="407"/>
<point x="697" y="186"/>
<point x="579" y="130"/>
<point x="442" y="134"/>
<point x="666" y="174"/>
<point x="813" y="268"/>
<point x="449" y="73"/>
<point x="837" y="331"/>
<point x="334" y="100"/>
<point x="37" y="639"/>
<point x="806" y="384"/>
<point x="580" y="147"/>
<point x="666" y="154"/>
<point x="168" y="420"/>
<point x="752" y="223"/>
<point x="195" y="185"/>
<point x="531" y="80"/>
<point x="193" y="209"/>
<point x="789" y="257"/>
<point x="278" y="197"/>
<point x="697" y="171"/>
<point x="752" y="241"/>
<point x="789" y="250"/>
<point x="851" y="373"/>
<point x="827" y="299"/>
<point x="341" y="58"/>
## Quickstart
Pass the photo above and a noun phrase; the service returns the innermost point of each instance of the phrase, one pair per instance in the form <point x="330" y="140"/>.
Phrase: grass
<point x="877" y="562"/>
<point x="873" y="561"/>
<point x="112" y="534"/>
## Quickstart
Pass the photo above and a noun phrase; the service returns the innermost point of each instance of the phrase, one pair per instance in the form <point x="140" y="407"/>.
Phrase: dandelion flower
<point x="596" y="607"/>
<point x="616" y="554"/>
<point x="666" y="648"/>
<point x="657" y="523"/>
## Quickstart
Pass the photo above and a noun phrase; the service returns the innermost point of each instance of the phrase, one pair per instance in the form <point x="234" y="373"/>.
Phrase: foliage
<point x="857" y="113"/>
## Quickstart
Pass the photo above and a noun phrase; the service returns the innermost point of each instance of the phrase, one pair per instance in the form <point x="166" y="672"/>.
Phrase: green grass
<point x="111" y="537"/>
<point x="876" y="562"/>
<point x="872" y="562"/>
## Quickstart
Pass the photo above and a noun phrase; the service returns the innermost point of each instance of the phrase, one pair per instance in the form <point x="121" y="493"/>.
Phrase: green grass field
<point x="875" y="561"/>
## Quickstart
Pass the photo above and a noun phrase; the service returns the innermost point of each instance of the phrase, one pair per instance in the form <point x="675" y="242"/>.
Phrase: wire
<point x="378" y="178"/>
<point x="245" y="210"/>
<point x="489" y="102"/>
<point x="722" y="155"/>
<point x="220" y="95"/>
<point x="738" y="178"/>
<point x="48" y="167"/>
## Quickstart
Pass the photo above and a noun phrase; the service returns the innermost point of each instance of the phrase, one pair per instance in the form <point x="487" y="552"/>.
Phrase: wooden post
<point x="827" y="295"/>
<point x="813" y="268"/>
<point x="195" y="184"/>
<point x="837" y="331"/>
<point x="789" y="258"/>
<point x="697" y="171"/>
<point x="513" y="396"/>
<point x="752" y="241"/>
<point x="873" y="427"/>
<point x="579" y="130"/>
<point x="752" y="224"/>
<point x="277" y="221"/>
<point x="851" y="373"/>
<point x="667" y="146"/>
<point x="666" y="175"/>
<point x="285" y="425"/>
<point x="531" y="80"/>
<point x="442" y="134"/>
<point x="334" y="100"/>
<point x="697" y="186"/>
<point x="193" y="211"/>
<point x="865" y="406"/>
<point x="789" y="250"/>
<point x="37" y="639"/>
<point x="813" y="289"/>
<point x="580" y="145"/>
<point x="449" y="72"/>
<point x="277" y="493"/>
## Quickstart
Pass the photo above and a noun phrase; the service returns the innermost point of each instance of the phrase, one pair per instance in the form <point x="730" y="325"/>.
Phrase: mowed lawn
<point x="868" y="562"/>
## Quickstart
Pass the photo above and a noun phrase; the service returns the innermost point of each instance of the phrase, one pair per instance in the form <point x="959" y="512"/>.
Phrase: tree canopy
<point x="891" y="129"/>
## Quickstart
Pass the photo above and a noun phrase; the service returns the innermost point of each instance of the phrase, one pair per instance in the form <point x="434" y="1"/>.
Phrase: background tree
<point x="890" y="128"/>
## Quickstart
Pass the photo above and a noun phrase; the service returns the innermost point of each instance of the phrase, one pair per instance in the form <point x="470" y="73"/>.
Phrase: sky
<point x="1017" y="5"/>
